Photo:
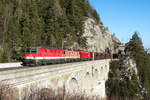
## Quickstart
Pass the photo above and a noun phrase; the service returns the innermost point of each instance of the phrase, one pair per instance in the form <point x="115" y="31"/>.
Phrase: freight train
<point x="44" y="56"/>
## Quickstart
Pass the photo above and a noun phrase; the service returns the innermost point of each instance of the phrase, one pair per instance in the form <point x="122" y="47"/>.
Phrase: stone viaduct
<point x="88" y="77"/>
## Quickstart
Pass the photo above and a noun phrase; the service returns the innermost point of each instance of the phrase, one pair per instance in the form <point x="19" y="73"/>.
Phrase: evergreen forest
<point x="53" y="23"/>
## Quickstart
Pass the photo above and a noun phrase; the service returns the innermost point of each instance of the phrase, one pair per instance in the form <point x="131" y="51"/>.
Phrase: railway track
<point x="26" y="68"/>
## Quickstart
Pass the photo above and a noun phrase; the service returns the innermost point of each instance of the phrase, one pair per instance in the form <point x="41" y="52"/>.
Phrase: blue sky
<point x="124" y="17"/>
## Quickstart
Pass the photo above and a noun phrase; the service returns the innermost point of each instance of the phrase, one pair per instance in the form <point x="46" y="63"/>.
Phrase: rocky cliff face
<point x="148" y="51"/>
<point x="99" y="37"/>
<point x="131" y="68"/>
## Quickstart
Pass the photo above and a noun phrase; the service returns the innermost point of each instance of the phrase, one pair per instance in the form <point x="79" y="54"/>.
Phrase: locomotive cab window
<point x="34" y="50"/>
<point x="28" y="50"/>
<point x="64" y="51"/>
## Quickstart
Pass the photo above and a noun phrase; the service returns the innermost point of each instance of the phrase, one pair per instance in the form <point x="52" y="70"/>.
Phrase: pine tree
<point x="135" y="44"/>
<point x="4" y="54"/>
<point x="96" y="16"/>
<point x="14" y="41"/>
<point x="50" y="28"/>
<point x="26" y="35"/>
<point x="1" y="23"/>
<point x="36" y="24"/>
<point x="136" y="51"/>
<point x="2" y="11"/>
<point x="65" y="30"/>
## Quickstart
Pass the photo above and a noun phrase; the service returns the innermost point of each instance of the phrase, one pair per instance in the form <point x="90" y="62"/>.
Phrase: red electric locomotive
<point x="41" y="56"/>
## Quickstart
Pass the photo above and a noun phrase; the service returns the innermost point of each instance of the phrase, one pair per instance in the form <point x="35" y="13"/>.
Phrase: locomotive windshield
<point x="28" y="50"/>
<point x="31" y="50"/>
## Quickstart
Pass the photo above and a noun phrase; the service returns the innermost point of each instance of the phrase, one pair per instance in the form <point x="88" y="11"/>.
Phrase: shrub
<point x="6" y="92"/>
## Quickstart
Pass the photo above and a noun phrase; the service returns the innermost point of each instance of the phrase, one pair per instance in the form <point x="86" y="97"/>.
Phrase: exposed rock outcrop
<point x="130" y="69"/>
<point x="148" y="51"/>
<point x="130" y="65"/>
<point x="99" y="37"/>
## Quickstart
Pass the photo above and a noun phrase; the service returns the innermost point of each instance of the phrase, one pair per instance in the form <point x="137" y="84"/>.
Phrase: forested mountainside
<point x="55" y="23"/>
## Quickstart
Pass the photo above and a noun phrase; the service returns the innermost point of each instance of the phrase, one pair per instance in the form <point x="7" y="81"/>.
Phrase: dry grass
<point x="49" y="94"/>
<point x="8" y="93"/>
